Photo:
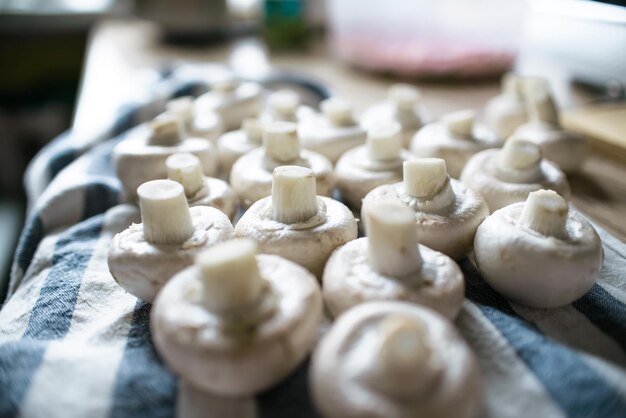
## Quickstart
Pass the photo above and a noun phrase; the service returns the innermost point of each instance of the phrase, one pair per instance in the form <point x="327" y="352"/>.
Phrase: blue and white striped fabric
<point x="74" y="344"/>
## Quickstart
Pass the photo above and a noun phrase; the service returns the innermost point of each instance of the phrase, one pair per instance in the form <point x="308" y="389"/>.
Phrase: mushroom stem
<point x="519" y="161"/>
<point x="338" y="111"/>
<point x="182" y="108"/>
<point x="185" y="169"/>
<point x="512" y="85"/>
<point x="539" y="102"/>
<point x="164" y="212"/>
<point x="424" y="177"/>
<point x="165" y="131"/>
<point x="293" y="194"/>
<point x="280" y="140"/>
<point x="284" y="104"/>
<point x="545" y="212"/>
<point x="392" y="244"/>
<point x="230" y="275"/>
<point x="404" y="97"/>
<point x="460" y="123"/>
<point x="384" y="142"/>
<point x="225" y="85"/>
<point x="253" y="128"/>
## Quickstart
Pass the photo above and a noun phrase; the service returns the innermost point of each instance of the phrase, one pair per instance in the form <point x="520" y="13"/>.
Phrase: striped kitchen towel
<point x="74" y="344"/>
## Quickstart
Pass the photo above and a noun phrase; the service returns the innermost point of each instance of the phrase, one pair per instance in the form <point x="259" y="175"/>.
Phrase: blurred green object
<point x="285" y="24"/>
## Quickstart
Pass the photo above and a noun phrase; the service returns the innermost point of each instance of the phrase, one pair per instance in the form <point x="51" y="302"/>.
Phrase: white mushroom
<point x="507" y="111"/>
<point x="539" y="253"/>
<point x="447" y="212"/>
<point x="234" y="144"/>
<point x="141" y="157"/>
<point x="395" y="360"/>
<point x="295" y="223"/>
<point x="284" y="105"/>
<point x="403" y="106"/>
<point x="368" y="166"/>
<point x="390" y="264"/>
<point x="251" y="175"/>
<point x="334" y="131"/>
<point x="145" y="256"/>
<point x="233" y="100"/>
<point x="236" y="323"/>
<point x="455" y="138"/>
<point x="565" y="148"/>
<point x="206" y="124"/>
<point x="508" y="175"/>
<point x="201" y="190"/>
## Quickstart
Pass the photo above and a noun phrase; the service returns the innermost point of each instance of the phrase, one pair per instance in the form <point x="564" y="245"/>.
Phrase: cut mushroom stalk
<point x="293" y="194"/>
<point x="164" y="212"/>
<point x="338" y="111"/>
<point x="392" y="240"/>
<point x="185" y="169"/>
<point x="253" y="129"/>
<point x="165" y="131"/>
<point x="283" y="104"/>
<point x="460" y="123"/>
<point x="280" y="141"/>
<point x="182" y="108"/>
<point x="545" y="212"/>
<point x="519" y="161"/>
<point x="384" y="142"/>
<point x="424" y="177"/>
<point x="230" y="275"/>
<point x="540" y="105"/>
<point x="404" y="97"/>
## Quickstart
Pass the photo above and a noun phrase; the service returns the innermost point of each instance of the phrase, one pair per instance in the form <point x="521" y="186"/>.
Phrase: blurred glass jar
<point x="427" y="38"/>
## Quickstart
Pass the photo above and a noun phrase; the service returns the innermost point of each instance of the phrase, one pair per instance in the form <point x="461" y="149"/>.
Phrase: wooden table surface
<point x="119" y="49"/>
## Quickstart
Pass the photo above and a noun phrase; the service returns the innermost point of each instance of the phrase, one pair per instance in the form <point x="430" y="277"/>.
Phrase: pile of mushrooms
<point x="539" y="253"/>
<point x="236" y="323"/>
<point x="200" y="190"/>
<point x="403" y="106"/>
<point x="333" y="132"/>
<point x="295" y="223"/>
<point x="565" y="148"/>
<point x="145" y="256"/>
<point x="368" y="166"/>
<point x="390" y="264"/>
<point x="234" y="144"/>
<point x="507" y="111"/>
<point x="393" y="359"/>
<point x="505" y="176"/>
<point x="251" y="175"/>
<point x="455" y="138"/>
<point x="447" y="212"/>
<point x="207" y="124"/>
<point x="233" y="100"/>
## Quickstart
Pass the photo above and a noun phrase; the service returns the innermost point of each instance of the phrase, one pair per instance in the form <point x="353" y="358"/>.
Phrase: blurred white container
<point x="427" y="38"/>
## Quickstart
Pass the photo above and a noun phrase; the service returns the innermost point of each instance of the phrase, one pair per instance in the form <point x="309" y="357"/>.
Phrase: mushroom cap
<point x="349" y="280"/>
<point x="207" y="125"/>
<point x="245" y="100"/>
<point x="451" y="230"/>
<point x="535" y="270"/>
<point x="385" y="111"/>
<point x="480" y="175"/>
<point x="142" y="268"/>
<point x="356" y="174"/>
<point x="340" y="390"/>
<point x="504" y="114"/>
<point x="233" y="145"/>
<point x="317" y="134"/>
<point x="566" y="149"/>
<point x="241" y="361"/>
<point x="309" y="243"/>
<point x="217" y="194"/>
<point x="252" y="180"/>
<point x="137" y="162"/>
<point x="434" y="140"/>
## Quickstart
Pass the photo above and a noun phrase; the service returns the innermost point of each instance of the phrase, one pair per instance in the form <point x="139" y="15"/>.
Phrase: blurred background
<point x="64" y="64"/>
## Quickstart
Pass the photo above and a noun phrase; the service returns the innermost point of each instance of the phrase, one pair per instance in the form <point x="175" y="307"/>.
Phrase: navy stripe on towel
<point x="144" y="387"/>
<point x="576" y="387"/>
<point x="50" y="316"/>
<point x="606" y="313"/>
